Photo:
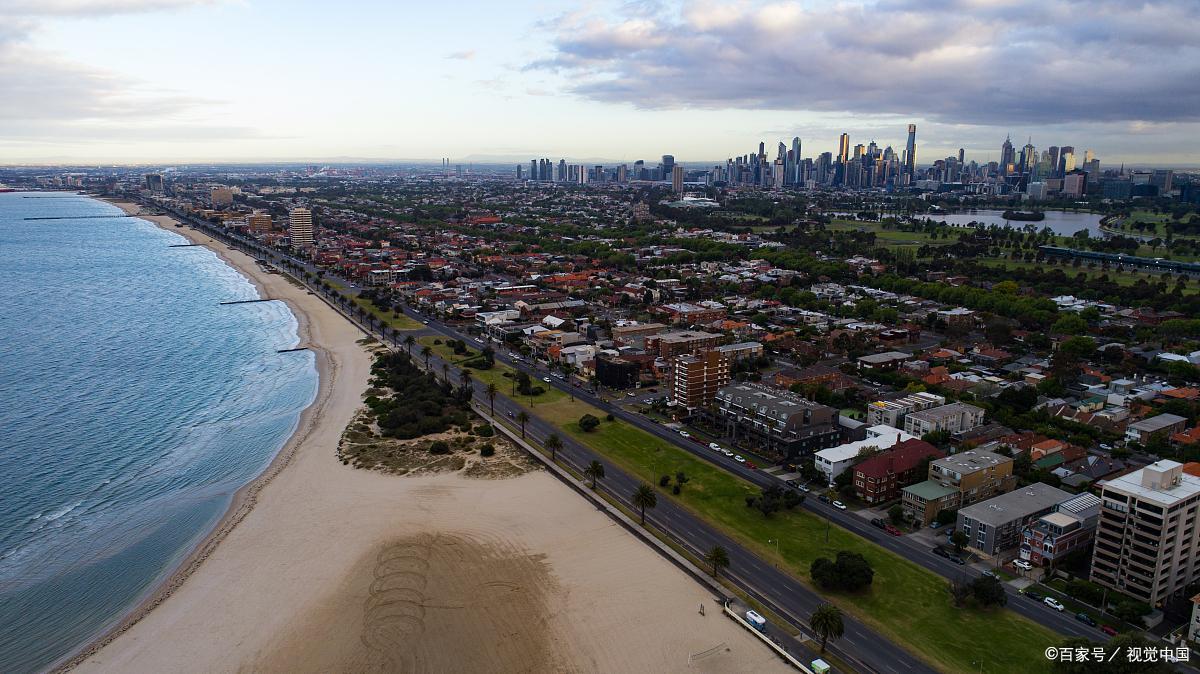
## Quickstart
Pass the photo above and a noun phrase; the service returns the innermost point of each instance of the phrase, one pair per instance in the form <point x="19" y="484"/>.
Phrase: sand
<point x="323" y="567"/>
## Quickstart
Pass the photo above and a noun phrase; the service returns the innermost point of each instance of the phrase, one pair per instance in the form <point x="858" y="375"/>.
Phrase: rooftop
<point x="1016" y="504"/>
<point x="884" y="437"/>
<point x="1162" y="482"/>
<point x="929" y="490"/>
<point x="1157" y="423"/>
<point x="971" y="461"/>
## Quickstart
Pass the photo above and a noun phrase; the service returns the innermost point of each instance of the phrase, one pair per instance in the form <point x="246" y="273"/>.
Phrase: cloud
<point x="950" y="61"/>
<point x="92" y="7"/>
<point x="465" y="55"/>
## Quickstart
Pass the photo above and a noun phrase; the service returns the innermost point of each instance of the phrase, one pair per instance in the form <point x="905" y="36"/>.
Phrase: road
<point x="778" y="590"/>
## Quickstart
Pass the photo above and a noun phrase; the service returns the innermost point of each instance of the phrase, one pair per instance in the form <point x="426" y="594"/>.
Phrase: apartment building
<point x="633" y="335"/>
<point x="994" y="526"/>
<point x="961" y="479"/>
<point x="1146" y="541"/>
<point x="669" y="344"/>
<point x="300" y="228"/>
<point x="892" y="412"/>
<point x="1070" y="527"/>
<point x="695" y="379"/>
<point x="880" y="478"/>
<point x="951" y="418"/>
<point x="834" y="461"/>
<point x="777" y="423"/>
<point x="260" y="223"/>
<point x="1162" y="424"/>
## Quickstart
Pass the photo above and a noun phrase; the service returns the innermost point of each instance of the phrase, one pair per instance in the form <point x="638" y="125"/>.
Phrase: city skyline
<point x="104" y="82"/>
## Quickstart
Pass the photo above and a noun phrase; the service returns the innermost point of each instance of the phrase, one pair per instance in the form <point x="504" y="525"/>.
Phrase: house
<point x="834" y="461"/>
<point x="1164" y="424"/>
<point x="1069" y="527"/>
<point x="887" y="361"/>
<point x="880" y="478"/>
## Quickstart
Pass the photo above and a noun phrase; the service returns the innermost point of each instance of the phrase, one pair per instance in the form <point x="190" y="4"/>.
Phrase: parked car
<point x="1033" y="595"/>
<point x="1022" y="564"/>
<point x="823" y="498"/>
<point x="631" y="394"/>
<point x="739" y="458"/>
<point x="685" y="434"/>
<point x="714" y="446"/>
<point x="991" y="574"/>
<point x="957" y="560"/>
<point x="1109" y="630"/>
<point x="878" y="522"/>
<point x="935" y="525"/>
<point x="893" y="530"/>
<point x="941" y="552"/>
<point x="546" y="379"/>
<point x="728" y="453"/>
<point x="751" y="465"/>
<point x="839" y="505"/>
<point x="1085" y="619"/>
<point x="804" y="488"/>
<point x="1053" y="603"/>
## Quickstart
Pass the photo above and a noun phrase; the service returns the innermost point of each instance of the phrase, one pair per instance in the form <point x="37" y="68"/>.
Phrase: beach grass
<point x="907" y="603"/>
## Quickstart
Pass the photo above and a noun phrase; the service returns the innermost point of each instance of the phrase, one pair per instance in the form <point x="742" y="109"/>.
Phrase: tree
<point x="960" y="592"/>
<point x="717" y="558"/>
<point x="988" y="591"/>
<point x="408" y="342"/>
<point x="850" y="571"/>
<point x="492" y="390"/>
<point x="896" y="514"/>
<point x="826" y="621"/>
<point x="959" y="539"/>
<point x="427" y="352"/>
<point x="445" y="372"/>
<point x="644" y="497"/>
<point x="522" y="418"/>
<point x="772" y="499"/>
<point x="554" y="443"/>
<point x="588" y="423"/>
<point x="595" y="471"/>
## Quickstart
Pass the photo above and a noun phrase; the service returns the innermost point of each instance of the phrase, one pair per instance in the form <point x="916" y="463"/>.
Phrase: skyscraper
<point x="300" y="228"/>
<point x="1007" y="156"/>
<point x="843" y="148"/>
<point x="676" y="178"/>
<point x="910" y="150"/>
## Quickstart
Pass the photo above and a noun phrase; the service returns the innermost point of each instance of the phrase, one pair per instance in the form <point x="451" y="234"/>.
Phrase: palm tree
<point x="427" y="352"/>
<point x="554" y="443"/>
<point x="408" y="342"/>
<point x="445" y="372"/>
<point x="826" y="621"/>
<point x="595" y="470"/>
<point x="717" y="558"/>
<point x="522" y="418"/>
<point x="491" y="391"/>
<point x="464" y="377"/>
<point x="644" y="498"/>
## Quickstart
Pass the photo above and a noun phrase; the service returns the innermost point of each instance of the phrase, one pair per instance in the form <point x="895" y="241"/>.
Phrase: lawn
<point x="907" y="603"/>
<point x="494" y="375"/>
<point x="1121" y="278"/>
<point x="396" y="321"/>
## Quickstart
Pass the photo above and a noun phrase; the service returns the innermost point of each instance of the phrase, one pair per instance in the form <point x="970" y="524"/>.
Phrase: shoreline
<point x="246" y="497"/>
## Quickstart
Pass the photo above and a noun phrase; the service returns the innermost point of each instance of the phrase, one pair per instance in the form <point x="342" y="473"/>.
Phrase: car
<point x="1105" y="447"/>
<point x="510" y="414"/>
<point x="839" y="505"/>
<point x="546" y="379"/>
<point x="751" y="465"/>
<point x="893" y="530"/>
<point x="991" y="574"/>
<point x="1085" y="619"/>
<point x="957" y="560"/>
<point x="426" y="321"/>
<point x="823" y="498"/>
<point x="804" y="488"/>
<point x="1022" y="564"/>
<point x="739" y="458"/>
<point x="631" y="394"/>
<point x="941" y="552"/>
<point x="726" y="452"/>
<point x="1033" y="595"/>
<point x="1053" y="603"/>
<point x="878" y="522"/>
<point x="1109" y="630"/>
<point x="685" y="434"/>
<point x="714" y="446"/>
<point x="935" y="525"/>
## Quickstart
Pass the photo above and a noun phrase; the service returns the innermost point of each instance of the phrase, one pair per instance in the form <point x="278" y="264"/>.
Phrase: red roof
<point x="900" y="458"/>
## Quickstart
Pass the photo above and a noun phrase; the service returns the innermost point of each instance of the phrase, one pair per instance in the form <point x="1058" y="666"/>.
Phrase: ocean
<point x="132" y="407"/>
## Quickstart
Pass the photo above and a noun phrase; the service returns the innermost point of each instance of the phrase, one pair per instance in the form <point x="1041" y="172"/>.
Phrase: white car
<point x="739" y="459"/>
<point x="804" y="488"/>
<point x="546" y="379"/>
<point x="839" y="505"/>
<point x="714" y="446"/>
<point x="1053" y="603"/>
<point x="726" y="452"/>
<point x="1022" y="564"/>
<point x="685" y="434"/>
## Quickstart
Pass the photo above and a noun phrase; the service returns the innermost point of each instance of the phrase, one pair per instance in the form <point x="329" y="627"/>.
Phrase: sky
<point x="173" y="81"/>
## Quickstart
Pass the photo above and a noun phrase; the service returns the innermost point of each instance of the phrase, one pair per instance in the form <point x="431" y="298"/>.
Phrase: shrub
<point x="484" y="431"/>
<point x="610" y="417"/>
<point x="675" y="490"/>
<point x="664" y="480"/>
<point x="588" y="423"/>
<point x="439" y="447"/>
<point x="849" y="572"/>
<point x="487" y="450"/>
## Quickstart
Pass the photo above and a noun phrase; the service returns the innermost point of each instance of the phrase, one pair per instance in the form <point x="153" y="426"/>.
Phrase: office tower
<point x="677" y="179"/>
<point x="1088" y="156"/>
<point x="910" y="150"/>
<point x="668" y="166"/>
<point x="639" y="170"/>
<point x="1062" y="160"/>
<point x="796" y="159"/>
<point x="260" y="223"/>
<point x="1146" y="544"/>
<point x="1007" y="156"/>
<point x="843" y="148"/>
<point x="562" y="170"/>
<point x="1054" y="157"/>
<point x="1028" y="157"/>
<point x="221" y="196"/>
<point x="622" y="174"/>
<point x="300" y="227"/>
<point x="519" y="166"/>
<point x="154" y="182"/>
<point x="533" y="169"/>
<point x="762" y="150"/>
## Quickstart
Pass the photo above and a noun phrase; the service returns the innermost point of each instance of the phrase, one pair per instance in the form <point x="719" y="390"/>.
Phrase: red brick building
<point x="881" y="477"/>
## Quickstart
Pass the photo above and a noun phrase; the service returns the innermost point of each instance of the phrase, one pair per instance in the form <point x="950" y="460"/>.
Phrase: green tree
<point x="595" y="471"/>
<point x="554" y="443"/>
<point x="827" y="622"/>
<point x="644" y="497"/>
<point x="522" y="418"/>
<point x="427" y="352"/>
<point x="896" y="514"/>
<point x="849" y="572"/>
<point x="491" y="392"/>
<point x="717" y="558"/>
<point x="988" y="591"/>
<point x="408" y="342"/>
<point x="959" y="539"/>
<point x="588" y="423"/>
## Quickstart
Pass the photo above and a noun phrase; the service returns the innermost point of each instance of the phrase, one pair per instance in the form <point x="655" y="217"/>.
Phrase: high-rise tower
<point x="910" y="150"/>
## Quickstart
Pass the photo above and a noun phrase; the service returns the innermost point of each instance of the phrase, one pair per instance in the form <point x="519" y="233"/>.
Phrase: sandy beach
<point x="323" y="567"/>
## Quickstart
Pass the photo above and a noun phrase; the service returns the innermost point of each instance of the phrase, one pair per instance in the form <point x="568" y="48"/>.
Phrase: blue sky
<point x="179" y="80"/>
